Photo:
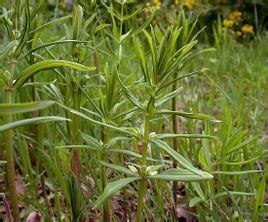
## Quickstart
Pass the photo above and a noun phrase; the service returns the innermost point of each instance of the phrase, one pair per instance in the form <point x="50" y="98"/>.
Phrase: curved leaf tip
<point x="45" y="65"/>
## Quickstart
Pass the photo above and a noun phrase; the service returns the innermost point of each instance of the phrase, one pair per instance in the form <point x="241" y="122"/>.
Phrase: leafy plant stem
<point x="97" y="63"/>
<point x="10" y="151"/>
<point x="176" y="127"/>
<point x="39" y="137"/>
<point x="75" y="164"/>
<point x="106" y="207"/>
<point x="142" y="189"/>
<point x="143" y="182"/>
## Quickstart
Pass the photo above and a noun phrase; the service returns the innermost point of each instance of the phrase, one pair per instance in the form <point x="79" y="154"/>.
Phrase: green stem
<point x="75" y="162"/>
<point x="142" y="189"/>
<point x="96" y="62"/>
<point x="76" y="138"/>
<point x="10" y="154"/>
<point x="11" y="164"/>
<point x="176" y="127"/>
<point x="143" y="182"/>
<point x="39" y="137"/>
<point x="106" y="206"/>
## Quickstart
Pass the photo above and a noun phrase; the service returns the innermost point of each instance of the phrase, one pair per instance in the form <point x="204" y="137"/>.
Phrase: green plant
<point x="154" y="81"/>
<point x="13" y="51"/>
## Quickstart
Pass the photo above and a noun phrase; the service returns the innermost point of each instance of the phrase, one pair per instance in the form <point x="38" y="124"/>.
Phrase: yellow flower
<point x="189" y="3"/>
<point x="228" y="23"/>
<point x="235" y="15"/>
<point x="238" y="33"/>
<point x="177" y="2"/>
<point x="148" y="4"/>
<point x="247" y="29"/>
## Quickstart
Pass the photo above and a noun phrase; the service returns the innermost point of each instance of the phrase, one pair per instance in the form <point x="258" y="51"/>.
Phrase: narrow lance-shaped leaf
<point x="52" y="22"/>
<point x="129" y="16"/>
<point x="241" y="145"/>
<point x="167" y="97"/>
<point x="114" y="140"/>
<point x="195" y="201"/>
<point x="188" y="115"/>
<point x="142" y="59"/>
<point x="92" y="141"/>
<point x="164" y="85"/>
<point x="198" y="190"/>
<point x="171" y="42"/>
<point x="3" y="78"/>
<point x="7" y="109"/>
<point x="232" y="141"/>
<point x="181" y="160"/>
<point x="119" y="129"/>
<point x="100" y="27"/>
<point x="145" y="24"/>
<point x="78" y="146"/>
<point x="130" y="96"/>
<point x="186" y="135"/>
<point x="236" y="172"/>
<point x="233" y="193"/>
<point x="58" y="42"/>
<point x="113" y="188"/>
<point x="77" y="21"/>
<point x="185" y="51"/>
<point x="114" y="25"/>
<point x="36" y="8"/>
<point x="5" y="50"/>
<point x="89" y="21"/>
<point x="118" y="168"/>
<point x="44" y="65"/>
<point x="133" y="154"/>
<point x="242" y="162"/>
<point x="175" y="174"/>
<point x="25" y="30"/>
<point x="35" y="120"/>
<point x="99" y="113"/>
<point x="201" y="52"/>
<point x="153" y="51"/>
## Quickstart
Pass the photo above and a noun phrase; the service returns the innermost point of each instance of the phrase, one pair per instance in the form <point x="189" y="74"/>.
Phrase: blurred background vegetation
<point x="243" y="18"/>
